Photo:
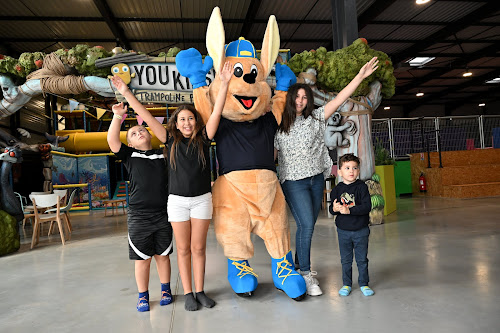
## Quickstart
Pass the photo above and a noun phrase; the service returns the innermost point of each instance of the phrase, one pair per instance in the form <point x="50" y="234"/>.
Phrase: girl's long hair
<point x="196" y="137"/>
<point x="290" y="112"/>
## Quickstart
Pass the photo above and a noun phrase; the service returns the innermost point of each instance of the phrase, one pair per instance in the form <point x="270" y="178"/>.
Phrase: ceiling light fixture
<point x="495" y="80"/>
<point x="419" y="61"/>
<point x="419" y="94"/>
<point x="467" y="72"/>
<point x="421" y="2"/>
<point x="387" y="107"/>
<point x="482" y="104"/>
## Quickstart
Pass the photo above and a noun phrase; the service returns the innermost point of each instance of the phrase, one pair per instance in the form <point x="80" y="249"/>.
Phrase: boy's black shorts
<point x="149" y="233"/>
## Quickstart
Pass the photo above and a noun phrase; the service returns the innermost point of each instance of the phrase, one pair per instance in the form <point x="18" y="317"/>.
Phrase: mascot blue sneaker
<point x="241" y="277"/>
<point x="286" y="278"/>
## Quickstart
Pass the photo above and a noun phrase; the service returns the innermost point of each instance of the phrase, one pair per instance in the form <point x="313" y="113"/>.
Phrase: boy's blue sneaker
<point x="143" y="302"/>
<point x="241" y="277"/>
<point x="367" y="291"/>
<point x="345" y="291"/>
<point x="286" y="278"/>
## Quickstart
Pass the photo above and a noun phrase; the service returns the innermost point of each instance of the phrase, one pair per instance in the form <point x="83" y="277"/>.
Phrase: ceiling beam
<point x="51" y="18"/>
<point x="113" y="25"/>
<point x="491" y="95"/>
<point x="371" y="13"/>
<point x="434" y="96"/>
<point x="253" y="8"/>
<point x="368" y="15"/>
<point x="480" y="24"/>
<point x="226" y="20"/>
<point x="154" y="19"/>
<point x="447" y="31"/>
<point x="459" y="55"/>
<point x="284" y="44"/>
<point x="457" y="63"/>
<point x="412" y="68"/>
<point x="141" y="40"/>
<point x="7" y="50"/>
<point x="322" y="41"/>
<point x="448" y="41"/>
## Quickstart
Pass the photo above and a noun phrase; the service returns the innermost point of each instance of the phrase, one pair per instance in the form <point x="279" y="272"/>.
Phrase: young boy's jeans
<point x="304" y="198"/>
<point x="357" y="241"/>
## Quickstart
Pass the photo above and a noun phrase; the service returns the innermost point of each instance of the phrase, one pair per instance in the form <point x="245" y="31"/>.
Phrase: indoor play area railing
<point x="67" y="186"/>
<point x="403" y="136"/>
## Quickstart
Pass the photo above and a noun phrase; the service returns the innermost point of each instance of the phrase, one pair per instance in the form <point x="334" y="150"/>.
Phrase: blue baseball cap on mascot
<point x="240" y="48"/>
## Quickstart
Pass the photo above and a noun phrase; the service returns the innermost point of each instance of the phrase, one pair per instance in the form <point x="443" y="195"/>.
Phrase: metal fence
<point x="403" y="136"/>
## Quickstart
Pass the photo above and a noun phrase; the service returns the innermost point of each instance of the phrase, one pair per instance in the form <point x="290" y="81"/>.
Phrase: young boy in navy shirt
<point x="352" y="205"/>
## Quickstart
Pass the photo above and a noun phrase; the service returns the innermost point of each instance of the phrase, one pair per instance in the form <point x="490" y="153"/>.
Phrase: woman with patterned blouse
<point x="303" y="159"/>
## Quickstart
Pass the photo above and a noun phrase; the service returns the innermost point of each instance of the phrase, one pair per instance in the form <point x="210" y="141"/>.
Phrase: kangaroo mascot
<point x="247" y="196"/>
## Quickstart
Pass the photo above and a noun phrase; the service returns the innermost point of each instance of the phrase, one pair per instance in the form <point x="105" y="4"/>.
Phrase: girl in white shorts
<point x="189" y="204"/>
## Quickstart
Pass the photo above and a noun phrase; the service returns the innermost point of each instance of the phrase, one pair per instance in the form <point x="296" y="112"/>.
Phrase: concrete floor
<point x="434" y="266"/>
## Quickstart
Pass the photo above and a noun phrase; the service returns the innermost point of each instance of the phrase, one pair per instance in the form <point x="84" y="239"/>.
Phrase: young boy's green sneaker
<point x="345" y="291"/>
<point x="367" y="291"/>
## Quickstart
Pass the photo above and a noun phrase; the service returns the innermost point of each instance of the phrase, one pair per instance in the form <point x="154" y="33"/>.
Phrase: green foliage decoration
<point x="377" y="201"/>
<point x="172" y="52"/>
<point x="337" y="68"/>
<point x="81" y="57"/>
<point x="382" y="155"/>
<point x="9" y="236"/>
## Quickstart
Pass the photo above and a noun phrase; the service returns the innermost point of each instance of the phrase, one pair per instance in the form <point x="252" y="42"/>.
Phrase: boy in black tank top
<point x="149" y="232"/>
<point x="190" y="198"/>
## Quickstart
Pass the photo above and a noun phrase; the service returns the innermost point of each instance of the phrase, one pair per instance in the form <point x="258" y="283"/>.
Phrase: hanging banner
<point x="139" y="119"/>
<point x="73" y="105"/>
<point x="100" y="112"/>
<point x="160" y="119"/>
<point x="123" y="118"/>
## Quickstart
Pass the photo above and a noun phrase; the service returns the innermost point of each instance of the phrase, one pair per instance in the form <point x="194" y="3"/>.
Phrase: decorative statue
<point x="11" y="212"/>
<point x="333" y="132"/>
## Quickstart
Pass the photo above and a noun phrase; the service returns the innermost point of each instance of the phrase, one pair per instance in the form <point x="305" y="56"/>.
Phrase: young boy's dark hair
<point x="348" y="158"/>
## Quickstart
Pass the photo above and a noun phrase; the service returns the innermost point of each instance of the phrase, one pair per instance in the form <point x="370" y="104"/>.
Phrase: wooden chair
<point x="24" y="204"/>
<point x="63" y="195"/>
<point x="28" y="210"/>
<point x="65" y="211"/>
<point x="46" y="201"/>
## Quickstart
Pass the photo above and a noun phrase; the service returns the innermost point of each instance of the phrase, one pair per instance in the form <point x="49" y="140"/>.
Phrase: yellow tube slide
<point x="81" y="142"/>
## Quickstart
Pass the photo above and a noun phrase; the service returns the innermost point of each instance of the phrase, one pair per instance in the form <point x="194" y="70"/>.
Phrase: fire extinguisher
<point x="423" y="183"/>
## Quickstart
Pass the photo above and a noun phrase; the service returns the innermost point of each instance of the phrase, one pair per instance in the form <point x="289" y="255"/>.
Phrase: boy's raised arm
<point x="114" y="128"/>
<point x="213" y="122"/>
<point x="155" y="125"/>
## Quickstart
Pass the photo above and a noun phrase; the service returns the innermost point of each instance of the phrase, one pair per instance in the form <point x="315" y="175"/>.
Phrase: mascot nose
<point x="249" y="78"/>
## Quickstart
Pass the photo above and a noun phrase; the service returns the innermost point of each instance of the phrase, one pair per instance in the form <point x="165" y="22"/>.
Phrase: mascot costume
<point x="247" y="196"/>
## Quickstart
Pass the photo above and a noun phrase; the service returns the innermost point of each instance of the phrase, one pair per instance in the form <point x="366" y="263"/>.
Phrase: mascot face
<point x="123" y="71"/>
<point x="248" y="94"/>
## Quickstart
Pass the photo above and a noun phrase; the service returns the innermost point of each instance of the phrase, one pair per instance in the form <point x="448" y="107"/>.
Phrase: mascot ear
<point x="270" y="45"/>
<point x="216" y="39"/>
